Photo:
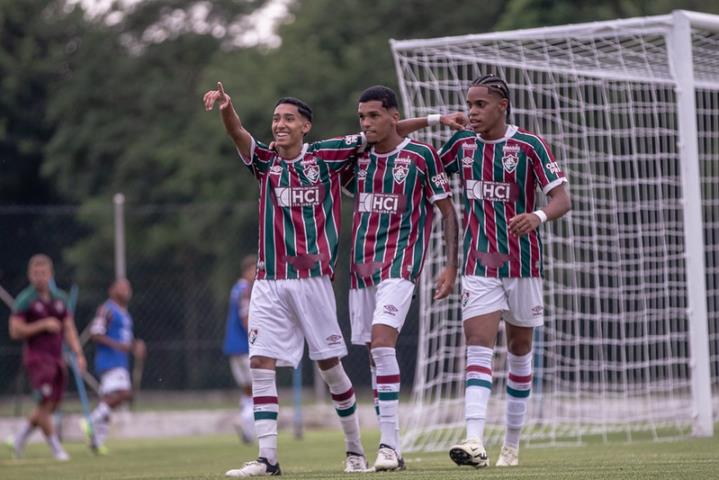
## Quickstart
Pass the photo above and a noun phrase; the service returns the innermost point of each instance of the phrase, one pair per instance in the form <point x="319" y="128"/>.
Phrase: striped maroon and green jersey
<point x="392" y="221"/>
<point x="499" y="179"/>
<point x="299" y="211"/>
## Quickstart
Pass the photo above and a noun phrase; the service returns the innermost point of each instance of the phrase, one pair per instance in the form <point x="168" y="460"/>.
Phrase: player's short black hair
<point x="382" y="94"/>
<point x="495" y="85"/>
<point x="302" y="107"/>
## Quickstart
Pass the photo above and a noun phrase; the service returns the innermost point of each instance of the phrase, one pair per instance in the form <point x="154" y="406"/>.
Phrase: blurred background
<point x="100" y="97"/>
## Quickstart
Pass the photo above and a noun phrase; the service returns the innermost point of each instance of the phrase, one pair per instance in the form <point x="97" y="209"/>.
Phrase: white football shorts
<point x="114" y="380"/>
<point x="386" y="304"/>
<point x="520" y="299"/>
<point x="285" y="313"/>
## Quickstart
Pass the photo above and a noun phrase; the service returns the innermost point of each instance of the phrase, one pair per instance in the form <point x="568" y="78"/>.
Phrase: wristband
<point x="542" y="216"/>
<point x="433" y="119"/>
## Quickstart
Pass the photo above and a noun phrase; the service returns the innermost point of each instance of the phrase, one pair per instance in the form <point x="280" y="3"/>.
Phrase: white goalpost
<point x="630" y="346"/>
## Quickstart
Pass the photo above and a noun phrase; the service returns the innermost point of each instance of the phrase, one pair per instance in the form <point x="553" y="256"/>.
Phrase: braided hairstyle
<point x="495" y="85"/>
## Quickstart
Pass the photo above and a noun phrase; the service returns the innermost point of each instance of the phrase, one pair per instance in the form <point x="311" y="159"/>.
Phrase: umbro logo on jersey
<point x="380" y="202"/>
<point x="298" y="196"/>
<point x="361" y="173"/>
<point x="468" y="151"/>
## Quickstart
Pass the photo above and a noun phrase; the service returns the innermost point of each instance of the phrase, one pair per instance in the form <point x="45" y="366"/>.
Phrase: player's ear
<point x="395" y="115"/>
<point x="503" y="104"/>
<point x="306" y="127"/>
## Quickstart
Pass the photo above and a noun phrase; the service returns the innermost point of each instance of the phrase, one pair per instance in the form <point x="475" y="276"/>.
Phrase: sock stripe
<point x="517" y="393"/>
<point x="264" y="400"/>
<point x="476" y="382"/>
<point x="265" y="415"/>
<point x="384" y="396"/>
<point x="346" y="412"/>
<point x="339" y="397"/>
<point x="388" y="378"/>
<point x="479" y="369"/>
<point x="520" y="378"/>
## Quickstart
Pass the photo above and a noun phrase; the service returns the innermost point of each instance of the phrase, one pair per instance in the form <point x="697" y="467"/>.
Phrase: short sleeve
<point x="546" y="170"/>
<point x="449" y="153"/>
<point x="260" y="158"/>
<point x="102" y="319"/>
<point x="436" y="182"/>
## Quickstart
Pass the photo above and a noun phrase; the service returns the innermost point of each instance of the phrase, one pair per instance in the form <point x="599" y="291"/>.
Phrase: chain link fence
<point x="182" y="261"/>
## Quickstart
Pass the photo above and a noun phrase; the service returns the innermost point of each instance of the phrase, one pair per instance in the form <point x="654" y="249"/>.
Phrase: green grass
<point x="320" y="456"/>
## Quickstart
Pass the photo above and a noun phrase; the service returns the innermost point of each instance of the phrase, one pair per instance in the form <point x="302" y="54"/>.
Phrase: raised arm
<point x="455" y="121"/>
<point x="233" y="125"/>
<point x="446" y="278"/>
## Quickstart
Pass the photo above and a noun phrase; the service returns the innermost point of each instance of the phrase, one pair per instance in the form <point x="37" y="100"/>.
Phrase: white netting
<point x="614" y="353"/>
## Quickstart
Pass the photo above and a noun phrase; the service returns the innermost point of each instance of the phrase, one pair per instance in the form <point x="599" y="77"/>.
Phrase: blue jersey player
<point x="237" y="348"/>
<point x="112" y="332"/>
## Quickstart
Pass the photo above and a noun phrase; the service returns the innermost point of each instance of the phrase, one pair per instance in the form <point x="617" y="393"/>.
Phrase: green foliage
<point x="93" y="106"/>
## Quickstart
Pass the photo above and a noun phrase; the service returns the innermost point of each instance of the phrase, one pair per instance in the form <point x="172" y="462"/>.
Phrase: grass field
<point x="320" y="456"/>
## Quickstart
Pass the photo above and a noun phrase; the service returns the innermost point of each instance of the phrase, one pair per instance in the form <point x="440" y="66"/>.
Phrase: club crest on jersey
<point x="401" y="169"/>
<point x="510" y="158"/>
<point x="311" y="169"/>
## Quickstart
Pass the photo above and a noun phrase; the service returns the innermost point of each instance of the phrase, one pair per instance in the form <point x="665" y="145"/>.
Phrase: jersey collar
<point x="508" y="133"/>
<point x="396" y="150"/>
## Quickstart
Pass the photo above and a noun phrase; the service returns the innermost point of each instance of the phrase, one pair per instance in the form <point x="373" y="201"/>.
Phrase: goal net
<point x="625" y="278"/>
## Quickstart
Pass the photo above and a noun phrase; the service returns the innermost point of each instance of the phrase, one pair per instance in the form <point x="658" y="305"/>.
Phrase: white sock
<point x="55" y="445"/>
<point x="388" y="385"/>
<point x="245" y="403"/>
<point x="519" y="385"/>
<point x="264" y="394"/>
<point x="375" y="400"/>
<point x="101" y="412"/>
<point x="478" y="388"/>
<point x="345" y="403"/>
<point x="22" y="436"/>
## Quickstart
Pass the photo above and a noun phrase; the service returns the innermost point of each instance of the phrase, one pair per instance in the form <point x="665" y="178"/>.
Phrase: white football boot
<point x="256" y="468"/>
<point x="356" y="463"/>
<point x="469" y="452"/>
<point x="388" y="459"/>
<point x="508" y="457"/>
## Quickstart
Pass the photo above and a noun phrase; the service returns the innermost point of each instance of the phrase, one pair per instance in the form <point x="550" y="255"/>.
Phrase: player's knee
<point x="328" y="363"/>
<point x="519" y="347"/>
<point x="265" y="363"/>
